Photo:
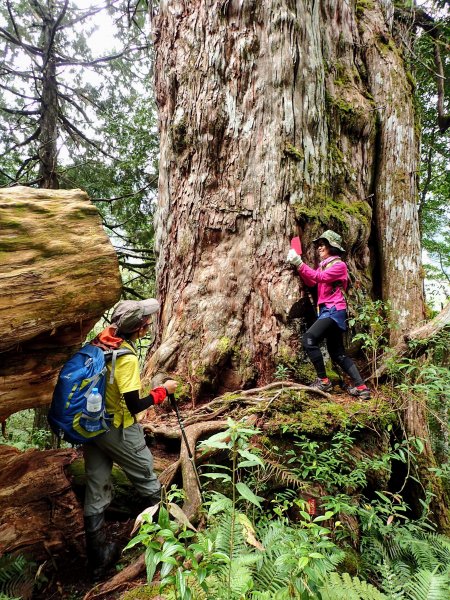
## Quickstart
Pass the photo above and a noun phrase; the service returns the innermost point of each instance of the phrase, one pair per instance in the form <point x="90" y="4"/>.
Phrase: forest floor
<point x="67" y="577"/>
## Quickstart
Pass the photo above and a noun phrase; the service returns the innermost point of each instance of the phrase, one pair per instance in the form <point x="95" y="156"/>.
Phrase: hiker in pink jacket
<point x="331" y="279"/>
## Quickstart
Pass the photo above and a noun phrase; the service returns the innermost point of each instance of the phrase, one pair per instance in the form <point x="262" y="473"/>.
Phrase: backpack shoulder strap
<point x="331" y="263"/>
<point x="113" y="355"/>
<point x="336" y="284"/>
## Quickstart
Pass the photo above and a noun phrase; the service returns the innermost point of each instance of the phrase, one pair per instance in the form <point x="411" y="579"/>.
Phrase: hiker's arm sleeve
<point x="307" y="274"/>
<point x="337" y="272"/>
<point x="136" y="405"/>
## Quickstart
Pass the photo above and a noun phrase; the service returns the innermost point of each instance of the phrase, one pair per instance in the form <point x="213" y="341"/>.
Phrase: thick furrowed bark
<point x="268" y="129"/>
<point x="396" y="175"/>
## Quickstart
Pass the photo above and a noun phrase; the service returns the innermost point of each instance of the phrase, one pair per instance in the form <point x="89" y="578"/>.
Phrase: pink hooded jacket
<point x="327" y="293"/>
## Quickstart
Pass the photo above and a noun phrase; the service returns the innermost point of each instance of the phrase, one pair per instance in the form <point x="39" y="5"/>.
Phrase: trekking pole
<point x="183" y="433"/>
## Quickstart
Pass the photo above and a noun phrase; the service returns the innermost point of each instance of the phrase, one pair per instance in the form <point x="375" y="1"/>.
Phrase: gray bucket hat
<point x="333" y="238"/>
<point x="130" y="315"/>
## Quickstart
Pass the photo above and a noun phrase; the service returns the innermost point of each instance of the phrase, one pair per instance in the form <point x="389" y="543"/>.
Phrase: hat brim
<point x="334" y="245"/>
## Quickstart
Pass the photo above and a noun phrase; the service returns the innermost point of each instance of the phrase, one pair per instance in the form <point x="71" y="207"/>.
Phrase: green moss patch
<point x="292" y="152"/>
<point x="338" y="211"/>
<point x="144" y="592"/>
<point x="307" y="414"/>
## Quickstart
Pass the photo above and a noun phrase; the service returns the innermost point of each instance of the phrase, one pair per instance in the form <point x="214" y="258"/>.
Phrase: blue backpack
<point x="82" y="373"/>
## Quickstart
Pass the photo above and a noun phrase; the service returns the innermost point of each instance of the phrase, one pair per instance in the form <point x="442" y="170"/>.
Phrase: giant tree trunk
<point x="276" y="118"/>
<point x="396" y="210"/>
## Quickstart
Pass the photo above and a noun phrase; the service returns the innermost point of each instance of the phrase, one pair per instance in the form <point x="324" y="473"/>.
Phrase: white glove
<point x="293" y="258"/>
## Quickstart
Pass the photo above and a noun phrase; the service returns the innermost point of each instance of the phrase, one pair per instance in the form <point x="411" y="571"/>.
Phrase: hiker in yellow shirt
<point x="124" y="443"/>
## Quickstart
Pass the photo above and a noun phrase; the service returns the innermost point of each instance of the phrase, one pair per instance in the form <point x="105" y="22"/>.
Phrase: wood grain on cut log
<point x="58" y="274"/>
<point x="39" y="513"/>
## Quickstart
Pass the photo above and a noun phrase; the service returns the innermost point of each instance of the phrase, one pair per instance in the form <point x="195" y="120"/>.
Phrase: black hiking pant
<point x="329" y="330"/>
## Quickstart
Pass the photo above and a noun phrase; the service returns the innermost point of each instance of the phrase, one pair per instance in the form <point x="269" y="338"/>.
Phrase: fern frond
<point x="427" y="585"/>
<point x="230" y="581"/>
<point x="391" y="585"/>
<point x="269" y="577"/>
<point x="283" y="475"/>
<point x="430" y="550"/>
<point x="392" y="547"/>
<point x="283" y="594"/>
<point x="241" y="579"/>
<point x="230" y="539"/>
<point x="16" y="577"/>
<point x="344" y="587"/>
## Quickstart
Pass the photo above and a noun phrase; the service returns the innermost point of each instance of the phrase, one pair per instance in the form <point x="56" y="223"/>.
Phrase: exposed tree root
<point x="118" y="582"/>
<point x="203" y="421"/>
<point x="193" y="499"/>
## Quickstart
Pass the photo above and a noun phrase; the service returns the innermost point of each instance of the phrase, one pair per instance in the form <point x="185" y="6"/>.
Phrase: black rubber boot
<point x="101" y="554"/>
<point x="151" y="500"/>
<point x="143" y="502"/>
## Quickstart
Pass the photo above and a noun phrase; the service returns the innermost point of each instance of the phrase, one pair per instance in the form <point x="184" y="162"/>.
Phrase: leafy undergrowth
<point x="313" y="492"/>
<point x="254" y="545"/>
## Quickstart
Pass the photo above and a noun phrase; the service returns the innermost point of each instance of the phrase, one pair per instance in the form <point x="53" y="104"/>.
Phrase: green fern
<point x="229" y="537"/>
<point x="16" y="578"/>
<point x="426" y="585"/>
<point x="282" y="474"/>
<point x="283" y="594"/>
<point x="429" y="550"/>
<point x="285" y="548"/>
<point x="344" y="587"/>
<point x="412" y="564"/>
<point x="393" y="588"/>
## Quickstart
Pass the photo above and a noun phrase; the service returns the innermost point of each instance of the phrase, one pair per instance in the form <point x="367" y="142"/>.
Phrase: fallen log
<point x="423" y="333"/>
<point x="58" y="274"/>
<point x="39" y="513"/>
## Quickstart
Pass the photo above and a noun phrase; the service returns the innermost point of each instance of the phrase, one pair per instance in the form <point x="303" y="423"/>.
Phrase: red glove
<point x="159" y="395"/>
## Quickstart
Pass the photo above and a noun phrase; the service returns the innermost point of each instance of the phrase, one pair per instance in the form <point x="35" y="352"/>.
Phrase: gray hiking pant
<point x="127" y="448"/>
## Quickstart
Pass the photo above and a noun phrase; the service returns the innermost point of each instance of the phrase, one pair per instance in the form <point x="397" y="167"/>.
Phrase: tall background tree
<point x="429" y="57"/>
<point x="75" y="112"/>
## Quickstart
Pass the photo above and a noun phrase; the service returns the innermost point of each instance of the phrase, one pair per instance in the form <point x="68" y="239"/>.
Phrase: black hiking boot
<point x="143" y="502"/>
<point x="101" y="554"/>
<point x="323" y="386"/>
<point x="363" y="393"/>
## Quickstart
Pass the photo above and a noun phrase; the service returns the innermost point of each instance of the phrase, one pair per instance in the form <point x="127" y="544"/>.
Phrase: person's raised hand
<point x="170" y="385"/>
<point x="293" y="258"/>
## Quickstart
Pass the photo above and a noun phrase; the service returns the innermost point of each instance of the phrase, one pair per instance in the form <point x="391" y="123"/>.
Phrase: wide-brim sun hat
<point x="333" y="238"/>
<point x="130" y="315"/>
